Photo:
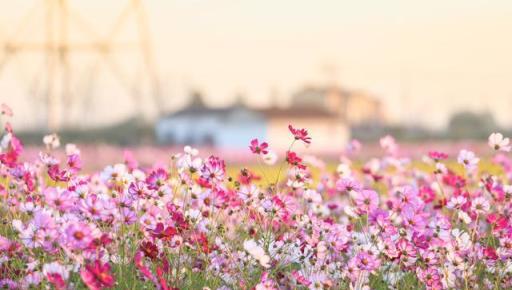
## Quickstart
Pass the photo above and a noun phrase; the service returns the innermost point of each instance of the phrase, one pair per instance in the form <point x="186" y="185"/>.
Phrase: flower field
<point x="288" y="222"/>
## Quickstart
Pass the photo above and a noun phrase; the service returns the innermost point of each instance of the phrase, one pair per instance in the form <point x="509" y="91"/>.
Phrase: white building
<point x="197" y="124"/>
<point x="325" y="112"/>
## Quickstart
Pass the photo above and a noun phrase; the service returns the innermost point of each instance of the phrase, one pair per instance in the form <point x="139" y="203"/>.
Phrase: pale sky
<point x="423" y="59"/>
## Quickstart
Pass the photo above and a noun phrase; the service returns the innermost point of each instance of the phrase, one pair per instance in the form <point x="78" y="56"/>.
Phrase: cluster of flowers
<point x="381" y="224"/>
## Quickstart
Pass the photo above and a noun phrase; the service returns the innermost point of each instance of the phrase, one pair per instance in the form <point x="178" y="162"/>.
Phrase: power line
<point x="58" y="52"/>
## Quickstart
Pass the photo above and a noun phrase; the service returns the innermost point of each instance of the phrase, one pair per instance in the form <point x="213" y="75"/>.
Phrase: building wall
<point x="239" y="135"/>
<point x="329" y="136"/>
<point x="222" y="131"/>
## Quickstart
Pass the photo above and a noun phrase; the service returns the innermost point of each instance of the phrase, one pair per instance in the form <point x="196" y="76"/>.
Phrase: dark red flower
<point x="97" y="276"/>
<point x="300" y="134"/>
<point x="149" y="249"/>
<point x="258" y="148"/>
<point x="200" y="239"/>
<point x="162" y="232"/>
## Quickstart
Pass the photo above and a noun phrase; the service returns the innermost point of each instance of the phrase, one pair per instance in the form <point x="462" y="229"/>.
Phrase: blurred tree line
<point x="135" y="131"/>
<point x="462" y="125"/>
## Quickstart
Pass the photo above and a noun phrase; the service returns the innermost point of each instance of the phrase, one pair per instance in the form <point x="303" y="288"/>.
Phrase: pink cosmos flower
<point x="366" y="200"/>
<point x="93" y="206"/>
<point x="157" y="178"/>
<point x="430" y="277"/>
<point x="388" y="143"/>
<point x="14" y="150"/>
<point x="300" y="134"/>
<point x="213" y="169"/>
<point x="353" y="146"/>
<point x="437" y="156"/>
<point x="347" y="185"/>
<point x="366" y="261"/>
<point x="258" y="148"/>
<point x="78" y="235"/>
<point x="138" y="189"/>
<point x="266" y="283"/>
<point x="129" y="160"/>
<point x="413" y="219"/>
<point x="407" y="252"/>
<point x="59" y="199"/>
<point x="301" y="280"/>
<point x="57" y="174"/>
<point x="5" y="110"/>
<point x="97" y="276"/>
<point x="5" y="244"/>
<point x="56" y="274"/>
<point x="294" y="160"/>
<point x="74" y="162"/>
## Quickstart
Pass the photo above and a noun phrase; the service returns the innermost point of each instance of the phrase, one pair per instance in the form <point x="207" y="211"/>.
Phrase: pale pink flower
<point x="498" y="142"/>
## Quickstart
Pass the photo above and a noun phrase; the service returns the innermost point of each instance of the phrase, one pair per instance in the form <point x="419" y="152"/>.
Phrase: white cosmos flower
<point x="72" y="149"/>
<point x="456" y="201"/>
<point x="350" y="211"/>
<point x="344" y="170"/>
<point x="480" y="205"/>
<point x="257" y="253"/>
<point x="468" y="159"/>
<point x="51" y="141"/>
<point x="462" y="238"/>
<point x="312" y="196"/>
<point x="441" y="168"/>
<point x="190" y="150"/>
<point x="464" y="217"/>
<point x="498" y="143"/>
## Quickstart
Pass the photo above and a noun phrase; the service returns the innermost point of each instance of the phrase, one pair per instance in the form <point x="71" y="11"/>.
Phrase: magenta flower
<point x="138" y="189"/>
<point x="437" y="156"/>
<point x="97" y="276"/>
<point x="74" y="162"/>
<point x="258" y="148"/>
<point x="300" y="134"/>
<point x="213" y="169"/>
<point x="157" y="178"/>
